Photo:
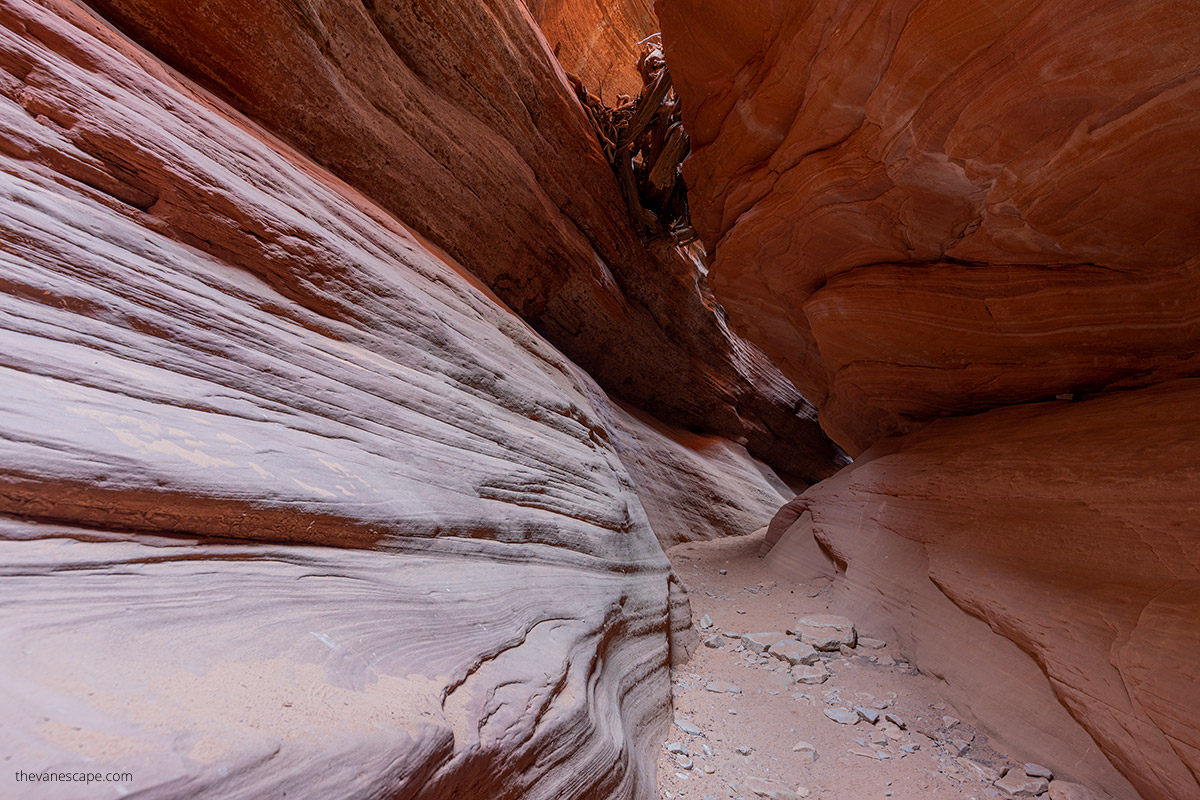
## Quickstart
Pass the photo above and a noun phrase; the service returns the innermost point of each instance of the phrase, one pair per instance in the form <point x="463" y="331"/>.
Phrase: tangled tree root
<point x="645" y="143"/>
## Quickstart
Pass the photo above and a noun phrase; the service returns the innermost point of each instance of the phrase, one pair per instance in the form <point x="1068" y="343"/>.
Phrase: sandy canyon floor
<point x="759" y="729"/>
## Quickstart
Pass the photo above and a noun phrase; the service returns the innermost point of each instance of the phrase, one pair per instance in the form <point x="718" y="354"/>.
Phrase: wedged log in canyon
<point x="931" y="209"/>
<point x="290" y="503"/>
<point x="458" y="119"/>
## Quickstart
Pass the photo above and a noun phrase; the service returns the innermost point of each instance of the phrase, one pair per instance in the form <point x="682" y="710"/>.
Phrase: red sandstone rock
<point x="933" y="208"/>
<point x="1043" y="560"/>
<point x="598" y="41"/>
<point x="928" y="208"/>
<point x="457" y="119"/>
<point x="290" y="504"/>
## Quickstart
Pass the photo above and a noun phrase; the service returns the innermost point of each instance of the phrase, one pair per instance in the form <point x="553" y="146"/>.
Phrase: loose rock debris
<point x="852" y="719"/>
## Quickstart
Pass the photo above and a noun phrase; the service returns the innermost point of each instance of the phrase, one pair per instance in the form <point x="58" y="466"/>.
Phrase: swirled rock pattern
<point x="932" y="209"/>
<point x="598" y="41"/>
<point x="694" y="487"/>
<point x="457" y="119"/>
<point x="289" y="500"/>
<point x="927" y="208"/>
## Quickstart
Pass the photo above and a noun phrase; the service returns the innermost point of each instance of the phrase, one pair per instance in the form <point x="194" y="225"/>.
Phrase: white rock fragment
<point x="876" y="755"/>
<point x="842" y="716"/>
<point x="1016" y="783"/>
<point x="806" y="749"/>
<point x="811" y="675"/>
<point x="868" y="714"/>
<point x="759" y="642"/>
<point x="825" y="631"/>
<point x="793" y="652"/>
<point x="981" y="771"/>
<point x="1038" y="771"/>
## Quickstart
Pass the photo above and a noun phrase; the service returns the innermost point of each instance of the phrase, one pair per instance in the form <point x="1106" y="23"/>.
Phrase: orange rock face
<point x="928" y="208"/>
<point x="932" y="209"/>
<point x="598" y="41"/>
<point x="460" y="122"/>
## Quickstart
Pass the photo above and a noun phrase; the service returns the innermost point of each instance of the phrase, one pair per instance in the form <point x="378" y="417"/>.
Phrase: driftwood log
<point x="644" y="141"/>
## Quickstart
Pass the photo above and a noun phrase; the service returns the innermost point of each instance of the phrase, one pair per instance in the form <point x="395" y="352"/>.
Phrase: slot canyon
<point x="600" y="399"/>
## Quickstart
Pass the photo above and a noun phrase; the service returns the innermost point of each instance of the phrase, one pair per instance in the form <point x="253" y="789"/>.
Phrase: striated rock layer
<point x="931" y="209"/>
<point x="694" y="487"/>
<point x="458" y="120"/>
<point x="288" y="499"/>
<point x="1043" y="560"/>
<point x="598" y="41"/>
<point x="927" y="208"/>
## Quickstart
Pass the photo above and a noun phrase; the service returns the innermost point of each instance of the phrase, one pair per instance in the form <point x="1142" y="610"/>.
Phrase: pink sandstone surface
<point x="288" y="497"/>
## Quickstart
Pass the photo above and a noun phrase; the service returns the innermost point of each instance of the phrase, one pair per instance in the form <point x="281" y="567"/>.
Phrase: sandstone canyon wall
<point x="289" y="500"/>
<point x="933" y="209"/>
<point x="457" y="119"/>
<point x="598" y="41"/>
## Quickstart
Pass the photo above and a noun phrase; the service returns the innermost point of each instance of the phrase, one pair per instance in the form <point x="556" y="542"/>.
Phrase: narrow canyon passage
<point x="599" y="399"/>
<point x="760" y="712"/>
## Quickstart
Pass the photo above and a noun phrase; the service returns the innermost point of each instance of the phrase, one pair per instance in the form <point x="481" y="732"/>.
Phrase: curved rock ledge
<point x="1042" y="560"/>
